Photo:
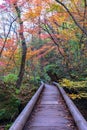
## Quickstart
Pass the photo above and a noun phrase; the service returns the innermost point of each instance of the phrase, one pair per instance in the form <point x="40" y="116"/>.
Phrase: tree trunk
<point x="22" y="66"/>
<point x="24" y="48"/>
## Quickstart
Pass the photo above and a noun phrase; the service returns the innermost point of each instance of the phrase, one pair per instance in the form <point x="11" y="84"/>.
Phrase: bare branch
<point x="7" y="36"/>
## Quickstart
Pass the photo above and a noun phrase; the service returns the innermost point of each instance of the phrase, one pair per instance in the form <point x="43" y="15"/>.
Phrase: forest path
<point x="50" y="112"/>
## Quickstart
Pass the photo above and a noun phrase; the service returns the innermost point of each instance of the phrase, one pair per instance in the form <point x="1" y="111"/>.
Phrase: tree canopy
<point x="43" y="32"/>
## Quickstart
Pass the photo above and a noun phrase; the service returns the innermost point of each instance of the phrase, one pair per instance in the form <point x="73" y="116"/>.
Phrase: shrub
<point x="66" y="82"/>
<point x="8" y="126"/>
<point x="9" y="109"/>
<point x="10" y="78"/>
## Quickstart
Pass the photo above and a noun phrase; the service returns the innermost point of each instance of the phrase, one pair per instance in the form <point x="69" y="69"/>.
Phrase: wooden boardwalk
<point x="50" y="112"/>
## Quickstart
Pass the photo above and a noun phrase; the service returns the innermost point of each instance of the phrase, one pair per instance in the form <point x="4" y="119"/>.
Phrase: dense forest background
<point x="41" y="41"/>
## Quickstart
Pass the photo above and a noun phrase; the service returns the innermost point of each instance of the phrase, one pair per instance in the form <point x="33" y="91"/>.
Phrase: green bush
<point x="8" y="126"/>
<point x="10" y="78"/>
<point x="9" y="109"/>
<point x="2" y="113"/>
<point x="35" y="80"/>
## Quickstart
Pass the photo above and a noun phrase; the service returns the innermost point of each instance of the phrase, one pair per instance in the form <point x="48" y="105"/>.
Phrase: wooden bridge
<point x="50" y="109"/>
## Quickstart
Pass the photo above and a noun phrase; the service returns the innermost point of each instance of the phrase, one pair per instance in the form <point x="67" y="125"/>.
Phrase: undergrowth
<point x="77" y="91"/>
<point x="12" y="101"/>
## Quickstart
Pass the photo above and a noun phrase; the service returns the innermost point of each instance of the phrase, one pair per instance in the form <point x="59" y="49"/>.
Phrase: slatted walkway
<point x="50" y="112"/>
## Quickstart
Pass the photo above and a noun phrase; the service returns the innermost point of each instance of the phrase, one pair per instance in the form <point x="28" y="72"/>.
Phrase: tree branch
<point x="73" y="18"/>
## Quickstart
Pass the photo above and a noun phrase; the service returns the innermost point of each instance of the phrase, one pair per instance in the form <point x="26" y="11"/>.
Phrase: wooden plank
<point x="49" y="102"/>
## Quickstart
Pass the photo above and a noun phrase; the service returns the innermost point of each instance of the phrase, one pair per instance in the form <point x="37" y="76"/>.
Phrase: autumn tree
<point x="15" y="7"/>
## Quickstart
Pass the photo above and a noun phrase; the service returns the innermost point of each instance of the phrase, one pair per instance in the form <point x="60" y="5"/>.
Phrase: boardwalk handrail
<point x="22" y="118"/>
<point x="78" y="118"/>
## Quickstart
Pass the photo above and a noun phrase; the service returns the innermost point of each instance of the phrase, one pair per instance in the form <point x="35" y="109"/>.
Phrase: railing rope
<point x="22" y="118"/>
<point x="78" y="118"/>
